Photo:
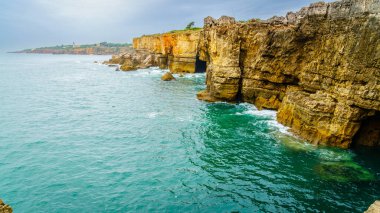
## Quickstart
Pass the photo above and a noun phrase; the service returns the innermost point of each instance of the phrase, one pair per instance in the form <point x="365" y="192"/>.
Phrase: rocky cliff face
<point x="176" y="51"/>
<point x="319" y="67"/>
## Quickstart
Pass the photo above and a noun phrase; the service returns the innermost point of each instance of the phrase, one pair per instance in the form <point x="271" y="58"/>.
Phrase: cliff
<point x="5" y="208"/>
<point x="319" y="67"/>
<point x="176" y="51"/>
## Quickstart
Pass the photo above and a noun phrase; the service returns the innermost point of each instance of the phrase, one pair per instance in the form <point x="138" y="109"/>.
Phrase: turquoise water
<point x="76" y="136"/>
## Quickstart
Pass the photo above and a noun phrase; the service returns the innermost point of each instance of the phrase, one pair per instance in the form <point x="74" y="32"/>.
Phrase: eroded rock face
<point x="5" y="208"/>
<point x="134" y="60"/>
<point x="319" y="67"/>
<point x="176" y="51"/>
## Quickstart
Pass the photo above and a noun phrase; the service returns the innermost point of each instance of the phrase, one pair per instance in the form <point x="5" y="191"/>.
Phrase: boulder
<point x="167" y="77"/>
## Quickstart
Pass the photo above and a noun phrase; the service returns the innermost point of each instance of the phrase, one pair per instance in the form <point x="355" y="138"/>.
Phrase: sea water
<point x="77" y="136"/>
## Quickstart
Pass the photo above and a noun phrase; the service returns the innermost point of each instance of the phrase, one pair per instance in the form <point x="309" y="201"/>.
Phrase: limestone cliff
<point x="176" y="51"/>
<point x="319" y="67"/>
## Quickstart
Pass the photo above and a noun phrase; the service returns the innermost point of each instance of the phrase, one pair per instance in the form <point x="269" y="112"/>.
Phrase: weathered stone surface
<point x="176" y="51"/>
<point x="133" y="61"/>
<point x="374" y="208"/>
<point x="168" y="77"/>
<point x="320" y="67"/>
<point x="204" y="95"/>
<point x="5" y="208"/>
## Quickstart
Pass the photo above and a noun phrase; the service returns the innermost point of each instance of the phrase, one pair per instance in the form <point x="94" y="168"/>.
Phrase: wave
<point x="270" y="115"/>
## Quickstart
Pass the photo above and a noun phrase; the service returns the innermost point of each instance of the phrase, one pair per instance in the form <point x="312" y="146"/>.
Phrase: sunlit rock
<point x="168" y="77"/>
<point x="319" y="67"/>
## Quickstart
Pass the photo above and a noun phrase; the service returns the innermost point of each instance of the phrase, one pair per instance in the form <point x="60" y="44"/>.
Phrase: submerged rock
<point x="293" y="143"/>
<point x="5" y="208"/>
<point x="345" y="171"/>
<point x="168" y="77"/>
<point x="117" y="68"/>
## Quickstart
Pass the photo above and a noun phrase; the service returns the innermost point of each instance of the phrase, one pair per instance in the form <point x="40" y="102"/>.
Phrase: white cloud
<point x="93" y="11"/>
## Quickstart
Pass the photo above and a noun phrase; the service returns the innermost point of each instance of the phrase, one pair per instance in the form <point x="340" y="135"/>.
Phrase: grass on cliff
<point x="175" y="31"/>
<point x="184" y="30"/>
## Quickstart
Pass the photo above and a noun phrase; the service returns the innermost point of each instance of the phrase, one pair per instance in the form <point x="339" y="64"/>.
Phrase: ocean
<point x="77" y="136"/>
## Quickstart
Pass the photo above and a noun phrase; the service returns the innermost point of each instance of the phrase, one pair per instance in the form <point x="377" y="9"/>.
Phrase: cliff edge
<point x="175" y="51"/>
<point x="319" y="67"/>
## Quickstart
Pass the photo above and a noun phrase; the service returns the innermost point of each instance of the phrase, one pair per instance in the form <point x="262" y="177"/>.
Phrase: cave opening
<point x="369" y="133"/>
<point x="200" y="66"/>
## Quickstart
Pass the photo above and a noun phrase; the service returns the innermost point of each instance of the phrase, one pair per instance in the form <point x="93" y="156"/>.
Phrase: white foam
<point x="262" y="113"/>
<point x="279" y="127"/>
<point x="147" y="72"/>
<point x="269" y="114"/>
<point x="335" y="155"/>
<point x="154" y="114"/>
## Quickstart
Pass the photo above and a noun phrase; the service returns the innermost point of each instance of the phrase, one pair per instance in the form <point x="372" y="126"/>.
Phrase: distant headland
<point x="102" y="48"/>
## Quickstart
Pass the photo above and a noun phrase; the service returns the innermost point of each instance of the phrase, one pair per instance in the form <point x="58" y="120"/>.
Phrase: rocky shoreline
<point x="319" y="67"/>
<point x="89" y="49"/>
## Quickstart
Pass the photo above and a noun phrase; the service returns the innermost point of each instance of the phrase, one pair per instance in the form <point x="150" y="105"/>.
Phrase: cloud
<point x="91" y="12"/>
<point x="33" y="23"/>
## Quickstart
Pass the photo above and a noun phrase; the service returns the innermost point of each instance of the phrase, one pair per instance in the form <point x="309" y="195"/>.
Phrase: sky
<point x="40" y="23"/>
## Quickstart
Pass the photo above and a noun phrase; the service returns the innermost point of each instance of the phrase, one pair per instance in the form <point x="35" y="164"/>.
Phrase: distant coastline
<point x="103" y="48"/>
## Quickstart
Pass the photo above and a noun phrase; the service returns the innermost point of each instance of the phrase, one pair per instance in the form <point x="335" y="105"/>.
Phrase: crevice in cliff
<point x="369" y="132"/>
<point x="242" y="56"/>
<point x="200" y="66"/>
